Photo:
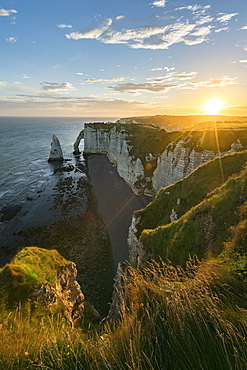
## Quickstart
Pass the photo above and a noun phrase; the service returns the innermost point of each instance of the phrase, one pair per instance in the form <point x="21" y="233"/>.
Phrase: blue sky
<point x="117" y="58"/>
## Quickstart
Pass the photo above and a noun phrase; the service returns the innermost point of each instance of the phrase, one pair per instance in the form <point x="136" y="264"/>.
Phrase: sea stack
<point x="56" y="153"/>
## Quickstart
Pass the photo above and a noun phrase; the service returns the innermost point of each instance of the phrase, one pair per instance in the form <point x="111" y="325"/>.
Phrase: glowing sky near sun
<point x="122" y="58"/>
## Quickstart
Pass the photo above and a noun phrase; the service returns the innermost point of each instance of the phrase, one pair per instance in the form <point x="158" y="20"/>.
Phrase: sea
<point x="25" y="144"/>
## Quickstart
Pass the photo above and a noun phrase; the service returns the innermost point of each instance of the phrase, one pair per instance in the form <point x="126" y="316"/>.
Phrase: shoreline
<point x="65" y="216"/>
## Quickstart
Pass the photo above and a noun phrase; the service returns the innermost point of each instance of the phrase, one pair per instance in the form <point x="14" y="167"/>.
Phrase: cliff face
<point x="113" y="143"/>
<point x="174" y="165"/>
<point x="146" y="172"/>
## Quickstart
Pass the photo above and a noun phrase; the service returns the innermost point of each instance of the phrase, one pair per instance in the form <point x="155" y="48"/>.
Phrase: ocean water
<point x="25" y="148"/>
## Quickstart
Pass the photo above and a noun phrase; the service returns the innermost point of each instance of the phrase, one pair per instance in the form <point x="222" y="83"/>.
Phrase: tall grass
<point x="171" y="319"/>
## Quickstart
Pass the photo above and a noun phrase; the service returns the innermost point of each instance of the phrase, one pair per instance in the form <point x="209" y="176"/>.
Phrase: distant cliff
<point x="149" y="158"/>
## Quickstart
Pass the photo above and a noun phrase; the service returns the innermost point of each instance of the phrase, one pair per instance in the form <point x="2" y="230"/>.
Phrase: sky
<point x="116" y="58"/>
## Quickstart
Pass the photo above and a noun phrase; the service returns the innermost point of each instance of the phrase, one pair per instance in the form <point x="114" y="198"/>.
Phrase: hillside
<point x="190" y="191"/>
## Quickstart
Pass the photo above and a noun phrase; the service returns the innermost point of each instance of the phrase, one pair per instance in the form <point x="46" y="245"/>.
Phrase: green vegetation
<point x="204" y="229"/>
<point x="30" y="268"/>
<point x="190" y="191"/>
<point x="172" y="319"/>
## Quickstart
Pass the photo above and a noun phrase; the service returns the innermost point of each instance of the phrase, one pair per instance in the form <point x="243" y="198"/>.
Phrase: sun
<point x="213" y="106"/>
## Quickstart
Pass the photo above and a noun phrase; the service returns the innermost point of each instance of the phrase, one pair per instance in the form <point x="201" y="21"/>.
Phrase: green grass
<point x="190" y="190"/>
<point x="29" y="269"/>
<point x="203" y="229"/>
<point x="172" y="319"/>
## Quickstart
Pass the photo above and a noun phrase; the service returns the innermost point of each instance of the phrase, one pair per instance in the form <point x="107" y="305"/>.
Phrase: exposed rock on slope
<point x="44" y="276"/>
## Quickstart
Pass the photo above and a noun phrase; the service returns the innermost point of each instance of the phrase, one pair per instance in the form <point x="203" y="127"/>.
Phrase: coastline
<point x="64" y="216"/>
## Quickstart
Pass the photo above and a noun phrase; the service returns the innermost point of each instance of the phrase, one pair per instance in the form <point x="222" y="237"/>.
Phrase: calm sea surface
<point x="24" y="150"/>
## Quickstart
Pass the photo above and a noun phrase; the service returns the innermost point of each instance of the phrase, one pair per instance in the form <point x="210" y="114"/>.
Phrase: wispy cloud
<point x="174" y="76"/>
<point x="62" y="25"/>
<point x="244" y="28"/>
<point x="219" y="82"/>
<point x="6" y="13"/>
<point x="3" y="83"/>
<point x="54" y="86"/>
<point x="11" y="39"/>
<point x="221" y="29"/>
<point x="159" y="3"/>
<point x="94" y="33"/>
<point x="224" y="18"/>
<point x="243" y="61"/>
<point x="148" y="86"/>
<point x="173" y="81"/>
<point x="190" y="25"/>
<point x="91" y="80"/>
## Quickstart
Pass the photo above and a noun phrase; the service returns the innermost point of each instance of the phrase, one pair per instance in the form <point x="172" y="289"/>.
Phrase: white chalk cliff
<point x="56" y="153"/>
<point x="113" y="143"/>
<point x="176" y="162"/>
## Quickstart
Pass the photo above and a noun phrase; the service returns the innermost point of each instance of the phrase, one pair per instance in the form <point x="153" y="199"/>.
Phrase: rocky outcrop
<point x="133" y="241"/>
<point x="56" y="153"/>
<point x="179" y="160"/>
<point x="113" y="143"/>
<point x="77" y="143"/>
<point x="176" y="163"/>
<point x="66" y="291"/>
<point x="119" y="295"/>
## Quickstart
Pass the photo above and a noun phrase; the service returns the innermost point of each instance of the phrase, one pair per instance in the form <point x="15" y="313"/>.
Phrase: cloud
<point x="223" y="17"/>
<point x="193" y="27"/>
<point x="24" y="76"/>
<point x="3" y="83"/>
<point x="64" y="25"/>
<point x="219" y="82"/>
<point x="174" y="76"/>
<point x="159" y="3"/>
<point x="221" y="29"/>
<point x="80" y="73"/>
<point x="93" y="33"/>
<point x="244" y="28"/>
<point x="54" y="86"/>
<point x="134" y="88"/>
<point x="243" y="61"/>
<point x="119" y="17"/>
<point x="91" y="80"/>
<point x="6" y="13"/>
<point x="195" y="8"/>
<point x="11" y="39"/>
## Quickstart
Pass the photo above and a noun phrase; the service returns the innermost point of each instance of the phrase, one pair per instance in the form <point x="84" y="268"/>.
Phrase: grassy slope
<point x="204" y="228"/>
<point x="30" y="268"/>
<point x="191" y="190"/>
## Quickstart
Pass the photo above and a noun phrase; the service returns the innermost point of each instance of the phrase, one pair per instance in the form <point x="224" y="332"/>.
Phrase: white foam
<point x="3" y="193"/>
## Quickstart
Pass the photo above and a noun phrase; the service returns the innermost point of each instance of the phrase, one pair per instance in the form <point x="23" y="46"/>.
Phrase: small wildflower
<point x="26" y="353"/>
